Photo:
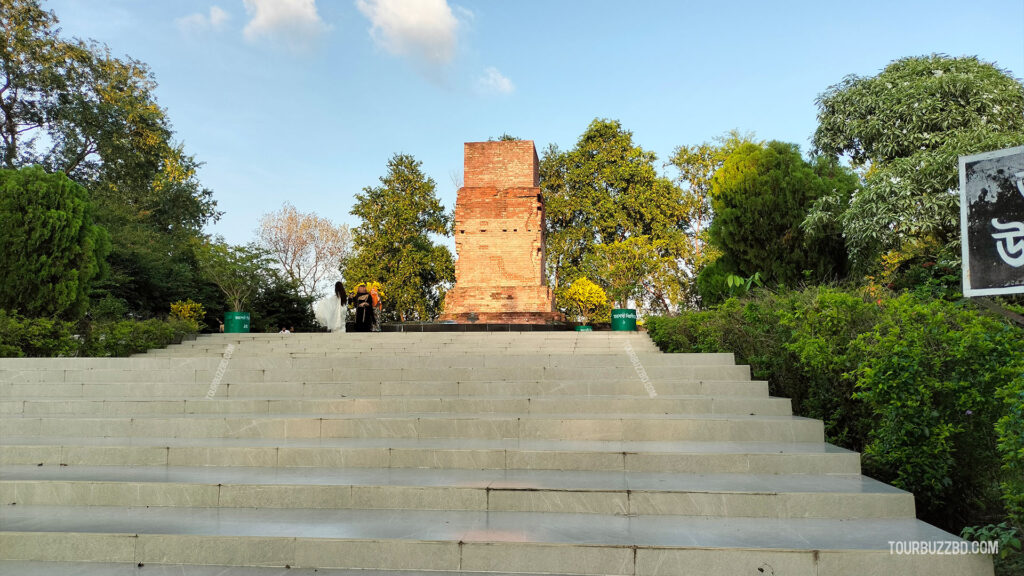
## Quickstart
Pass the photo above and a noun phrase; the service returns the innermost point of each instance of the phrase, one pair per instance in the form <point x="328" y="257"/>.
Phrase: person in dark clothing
<point x="363" y="303"/>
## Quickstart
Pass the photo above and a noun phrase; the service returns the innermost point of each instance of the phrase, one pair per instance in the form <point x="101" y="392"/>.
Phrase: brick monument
<point x="499" y="239"/>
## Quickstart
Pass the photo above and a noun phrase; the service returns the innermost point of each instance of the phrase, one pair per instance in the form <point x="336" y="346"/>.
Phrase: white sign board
<point x="992" y="222"/>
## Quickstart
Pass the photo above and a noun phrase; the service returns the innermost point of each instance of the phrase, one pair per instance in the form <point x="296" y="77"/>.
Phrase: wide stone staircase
<point x="507" y="452"/>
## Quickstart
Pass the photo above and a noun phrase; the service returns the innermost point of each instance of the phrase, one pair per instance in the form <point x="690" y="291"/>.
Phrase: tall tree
<point x="308" y="247"/>
<point x="392" y="244"/>
<point x="52" y="249"/>
<point x="760" y="196"/>
<point x="905" y="128"/>
<point x="239" y="271"/>
<point x="71" y="106"/>
<point x="696" y="166"/>
<point x="604" y="191"/>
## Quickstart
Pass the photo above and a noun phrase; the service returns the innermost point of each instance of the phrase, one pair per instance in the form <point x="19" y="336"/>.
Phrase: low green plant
<point x="739" y="286"/>
<point x="36" y="337"/>
<point x="930" y="390"/>
<point x="819" y="325"/>
<point x="1010" y="429"/>
<point x="1008" y="537"/>
<point x="48" y="338"/>
<point x="129" y="337"/>
<point x="931" y="375"/>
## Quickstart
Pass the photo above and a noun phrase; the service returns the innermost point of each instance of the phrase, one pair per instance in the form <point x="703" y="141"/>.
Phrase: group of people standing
<point x="332" y="311"/>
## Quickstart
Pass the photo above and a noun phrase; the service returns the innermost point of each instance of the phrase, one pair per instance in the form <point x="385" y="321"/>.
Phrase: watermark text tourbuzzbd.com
<point x="221" y="369"/>
<point x="943" y="547"/>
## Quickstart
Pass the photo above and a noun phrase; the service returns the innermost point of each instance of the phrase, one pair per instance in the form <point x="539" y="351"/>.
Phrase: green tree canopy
<point x="392" y="243"/>
<point x="71" y="106"/>
<point x="906" y="127"/>
<point x="604" y="191"/>
<point x="696" y="166"/>
<point x="761" y="196"/>
<point x="52" y="251"/>
<point x="239" y="271"/>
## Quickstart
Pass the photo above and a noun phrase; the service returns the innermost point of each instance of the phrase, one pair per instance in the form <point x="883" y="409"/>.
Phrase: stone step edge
<point x="839" y="504"/>
<point x="473" y="556"/>
<point x="132" y="453"/>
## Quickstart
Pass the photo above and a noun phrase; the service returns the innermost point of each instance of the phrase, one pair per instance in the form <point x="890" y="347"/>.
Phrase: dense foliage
<point x="906" y="127"/>
<point x="392" y="244"/>
<point x="52" y="250"/>
<point x="239" y="271"/>
<point x="70" y="106"/>
<point x="760" y="197"/>
<point x="926" y="388"/>
<point x="45" y="337"/>
<point x="279" y="304"/>
<point x="605" y="192"/>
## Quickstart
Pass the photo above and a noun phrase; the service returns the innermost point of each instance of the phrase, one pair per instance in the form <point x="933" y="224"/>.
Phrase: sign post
<point x="992" y="222"/>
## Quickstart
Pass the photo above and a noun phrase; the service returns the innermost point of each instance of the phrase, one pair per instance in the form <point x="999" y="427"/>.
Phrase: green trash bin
<point x="584" y="328"/>
<point x="624" y="319"/>
<point x="236" y="322"/>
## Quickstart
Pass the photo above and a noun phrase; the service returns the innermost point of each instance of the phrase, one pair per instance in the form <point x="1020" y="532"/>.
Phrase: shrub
<point x="40" y="337"/>
<point x="47" y="338"/>
<point x="931" y="391"/>
<point x="108" y="308"/>
<point x="189" y="311"/>
<point x="52" y="249"/>
<point x="1011" y="446"/>
<point x="279" y="304"/>
<point x="931" y="374"/>
<point x="585" y="300"/>
<point x="820" y="325"/>
<point x="135" y="336"/>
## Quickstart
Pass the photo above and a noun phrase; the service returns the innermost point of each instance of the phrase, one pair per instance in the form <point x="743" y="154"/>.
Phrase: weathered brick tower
<point x="499" y="239"/>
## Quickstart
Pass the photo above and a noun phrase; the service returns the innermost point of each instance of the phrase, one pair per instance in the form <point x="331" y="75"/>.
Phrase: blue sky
<point x="305" y="100"/>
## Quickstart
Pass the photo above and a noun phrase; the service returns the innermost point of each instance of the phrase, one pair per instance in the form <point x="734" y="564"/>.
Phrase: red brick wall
<point x="509" y="164"/>
<point x="499" y="237"/>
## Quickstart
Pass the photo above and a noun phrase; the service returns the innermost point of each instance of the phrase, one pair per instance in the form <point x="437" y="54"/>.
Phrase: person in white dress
<point x="332" y="311"/>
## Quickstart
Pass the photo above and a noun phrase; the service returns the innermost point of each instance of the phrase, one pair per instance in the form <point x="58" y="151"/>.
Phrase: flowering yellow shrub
<point x="586" y="300"/>
<point x="189" y="311"/>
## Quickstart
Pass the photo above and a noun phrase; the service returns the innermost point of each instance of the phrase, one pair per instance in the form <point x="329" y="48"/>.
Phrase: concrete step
<point x="621" y="493"/>
<point x="438" y="453"/>
<point x="236" y="374"/>
<point x="28" y="568"/>
<point x="529" y="453"/>
<point x="370" y="388"/>
<point x="608" y="427"/>
<point x="401" y="404"/>
<point x="533" y="542"/>
<point x="11" y="368"/>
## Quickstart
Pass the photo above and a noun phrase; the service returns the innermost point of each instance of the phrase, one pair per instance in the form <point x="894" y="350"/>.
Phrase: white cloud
<point x="199" y="21"/>
<point x="294" y="23"/>
<point x="494" y="81"/>
<point x="423" y="29"/>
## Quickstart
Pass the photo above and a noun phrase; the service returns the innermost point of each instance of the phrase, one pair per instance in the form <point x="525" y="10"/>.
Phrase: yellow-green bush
<point x="189" y="311"/>
<point x="585" y="300"/>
